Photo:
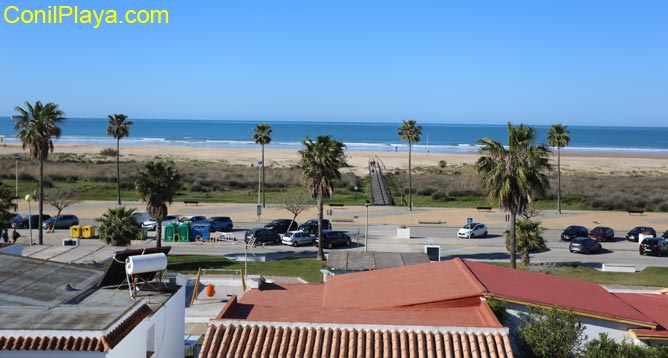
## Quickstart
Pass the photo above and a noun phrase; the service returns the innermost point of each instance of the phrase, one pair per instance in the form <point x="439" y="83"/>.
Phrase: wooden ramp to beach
<point x="380" y="193"/>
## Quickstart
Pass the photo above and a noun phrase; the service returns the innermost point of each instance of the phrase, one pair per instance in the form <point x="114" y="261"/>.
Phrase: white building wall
<point x="169" y="325"/>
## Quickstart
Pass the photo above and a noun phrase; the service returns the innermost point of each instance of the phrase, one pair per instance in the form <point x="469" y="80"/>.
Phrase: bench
<point x="638" y="212"/>
<point x="343" y="219"/>
<point x="618" y="268"/>
<point x="484" y="208"/>
<point x="193" y="202"/>
<point x="433" y="222"/>
<point x="336" y="205"/>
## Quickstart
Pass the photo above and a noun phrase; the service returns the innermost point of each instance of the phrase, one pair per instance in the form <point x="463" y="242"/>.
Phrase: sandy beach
<point x="603" y="163"/>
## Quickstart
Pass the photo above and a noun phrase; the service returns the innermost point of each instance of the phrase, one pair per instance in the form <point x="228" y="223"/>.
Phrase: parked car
<point x="34" y="221"/>
<point x="584" y="245"/>
<point x="331" y="238"/>
<point x="221" y="223"/>
<point x="192" y="218"/>
<point x="13" y="218"/>
<point x="311" y="226"/>
<point x="151" y="223"/>
<point x="574" y="231"/>
<point x="282" y="226"/>
<point x="469" y="231"/>
<point x="653" y="246"/>
<point x="633" y="234"/>
<point x="261" y="236"/>
<point x="665" y="234"/>
<point x="61" y="221"/>
<point x="140" y="216"/>
<point x="296" y="238"/>
<point x="602" y="233"/>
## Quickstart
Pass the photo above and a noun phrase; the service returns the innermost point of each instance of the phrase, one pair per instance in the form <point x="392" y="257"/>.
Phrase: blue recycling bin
<point x="200" y="231"/>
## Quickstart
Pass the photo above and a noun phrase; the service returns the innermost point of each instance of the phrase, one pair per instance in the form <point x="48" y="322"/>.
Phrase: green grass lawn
<point x="309" y="270"/>
<point x="306" y="268"/>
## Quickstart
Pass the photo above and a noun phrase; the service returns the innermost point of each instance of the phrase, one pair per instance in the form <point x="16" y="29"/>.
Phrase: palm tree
<point x="514" y="175"/>
<point x="36" y="126"/>
<point x="558" y="136"/>
<point x="321" y="161"/>
<point x="118" y="227"/>
<point x="529" y="238"/>
<point x="119" y="128"/>
<point x="410" y="132"/>
<point x="6" y="203"/>
<point x="157" y="185"/>
<point x="262" y="136"/>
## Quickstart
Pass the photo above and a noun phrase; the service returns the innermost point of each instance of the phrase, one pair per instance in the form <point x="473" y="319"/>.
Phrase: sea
<point x="358" y="136"/>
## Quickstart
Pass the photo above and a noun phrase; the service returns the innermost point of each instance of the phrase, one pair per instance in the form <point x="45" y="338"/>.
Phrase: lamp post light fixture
<point x="29" y="199"/>
<point x="17" y="157"/>
<point x="259" y="189"/>
<point x="366" y="225"/>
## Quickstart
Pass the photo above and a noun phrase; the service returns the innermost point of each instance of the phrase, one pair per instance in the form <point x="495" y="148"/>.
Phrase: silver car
<point x="296" y="238"/>
<point x="151" y="224"/>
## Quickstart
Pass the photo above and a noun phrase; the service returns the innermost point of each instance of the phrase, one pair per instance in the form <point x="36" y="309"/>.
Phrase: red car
<point x="602" y="233"/>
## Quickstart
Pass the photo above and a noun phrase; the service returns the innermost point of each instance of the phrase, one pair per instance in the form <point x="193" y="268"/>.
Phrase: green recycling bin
<point x="184" y="232"/>
<point x="170" y="232"/>
<point x="143" y="235"/>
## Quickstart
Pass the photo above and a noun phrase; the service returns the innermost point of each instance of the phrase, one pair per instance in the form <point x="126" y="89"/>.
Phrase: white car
<point x="150" y="224"/>
<point x="472" y="230"/>
<point x="296" y="238"/>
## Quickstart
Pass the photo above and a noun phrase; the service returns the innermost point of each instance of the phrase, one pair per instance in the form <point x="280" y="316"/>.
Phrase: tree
<point x="36" y="126"/>
<point x="118" y="227"/>
<point x="157" y="184"/>
<point x="294" y="203"/>
<point x="6" y="202"/>
<point x="529" y="238"/>
<point x="558" y="136"/>
<point x="321" y="161"/>
<point x="410" y="132"/>
<point x="513" y="176"/>
<point x="262" y="136"/>
<point x="59" y="199"/>
<point x="550" y="333"/>
<point x="119" y="128"/>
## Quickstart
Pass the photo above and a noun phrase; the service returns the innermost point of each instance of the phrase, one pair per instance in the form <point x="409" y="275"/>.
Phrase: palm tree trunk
<point x="263" y="197"/>
<point x="118" y="170"/>
<point x="321" y="255"/>
<point x="526" y="260"/>
<point x="158" y="232"/>
<point x="558" y="180"/>
<point x="40" y="235"/>
<point x="410" y="177"/>
<point x="513" y="239"/>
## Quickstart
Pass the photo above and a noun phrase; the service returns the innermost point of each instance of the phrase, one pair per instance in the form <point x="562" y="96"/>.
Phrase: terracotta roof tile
<point x="273" y="341"/>
<point x="70" y="343"/>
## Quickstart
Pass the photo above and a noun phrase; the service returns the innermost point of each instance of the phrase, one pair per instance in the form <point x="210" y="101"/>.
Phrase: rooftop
<point x="38" y="295"/>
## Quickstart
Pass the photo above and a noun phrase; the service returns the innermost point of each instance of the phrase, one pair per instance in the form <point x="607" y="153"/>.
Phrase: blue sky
<point x="537" y="62"/>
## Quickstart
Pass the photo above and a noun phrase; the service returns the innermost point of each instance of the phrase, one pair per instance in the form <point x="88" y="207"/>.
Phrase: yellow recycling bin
<point x="87" y="231"/>
<point x="75" y="231"/>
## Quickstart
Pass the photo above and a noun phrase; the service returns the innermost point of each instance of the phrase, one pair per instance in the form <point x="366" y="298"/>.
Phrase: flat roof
<point x="371" y="260"/>
<point x="46" y="295"/>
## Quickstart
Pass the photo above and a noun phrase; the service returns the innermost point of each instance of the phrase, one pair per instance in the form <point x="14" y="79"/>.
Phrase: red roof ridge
<point x="464" y="267"/>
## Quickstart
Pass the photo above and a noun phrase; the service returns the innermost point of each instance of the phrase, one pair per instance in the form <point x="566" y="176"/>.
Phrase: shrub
<point x="108" y="152"/>
<point x="498" y="307"/>
<point x="550" y="333"/>
<point x="118" y="227"/>
<point x="440" y="195"/>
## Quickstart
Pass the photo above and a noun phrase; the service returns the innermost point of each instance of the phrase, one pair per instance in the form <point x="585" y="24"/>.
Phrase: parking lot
<point x="382" y="237"/>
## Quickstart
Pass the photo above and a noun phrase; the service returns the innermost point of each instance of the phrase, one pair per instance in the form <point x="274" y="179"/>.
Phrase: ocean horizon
<point x="358" y="136"/>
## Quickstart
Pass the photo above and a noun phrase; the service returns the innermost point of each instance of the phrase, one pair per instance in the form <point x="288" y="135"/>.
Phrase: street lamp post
<point x="366" y="225"/>
<point x="29" y="199"/>
<point x="17" y="157"/>
<point x="259" y="189"/>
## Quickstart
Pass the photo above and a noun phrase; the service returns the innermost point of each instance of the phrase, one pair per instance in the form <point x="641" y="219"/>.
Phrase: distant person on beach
<point x="5" y="236"/>
<point x="15" y="235"/>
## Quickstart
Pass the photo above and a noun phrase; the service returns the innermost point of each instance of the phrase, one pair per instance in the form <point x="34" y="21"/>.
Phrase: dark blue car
<point x="221" y="223"/>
